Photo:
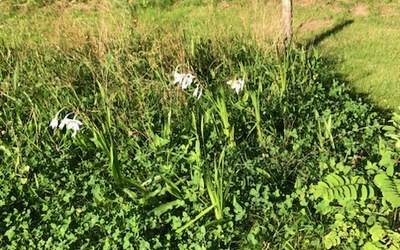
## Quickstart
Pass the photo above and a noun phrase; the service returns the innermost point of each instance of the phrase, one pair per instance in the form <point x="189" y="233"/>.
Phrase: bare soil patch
<point x="359" y="10"/>
<point x="389" y="10"/>
<point x="305" y="3"/>
<point x="315" y="24"/>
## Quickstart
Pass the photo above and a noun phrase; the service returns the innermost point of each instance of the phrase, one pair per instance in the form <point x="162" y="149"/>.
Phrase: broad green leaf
<point x="377" y="232"/>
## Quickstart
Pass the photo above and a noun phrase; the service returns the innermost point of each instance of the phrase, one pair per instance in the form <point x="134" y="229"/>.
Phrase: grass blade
<point x="204" y="212"/>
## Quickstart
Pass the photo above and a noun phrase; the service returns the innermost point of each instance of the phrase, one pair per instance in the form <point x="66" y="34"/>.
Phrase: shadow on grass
<point x="335" y="29"/>
<point x="333" y="64"/>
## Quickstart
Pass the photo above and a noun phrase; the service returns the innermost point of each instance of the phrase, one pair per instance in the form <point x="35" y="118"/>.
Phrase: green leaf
<point x="387" y="162"/>
<point x="172" y="188"/>
<point x="5" y="150"/>
<point x="331" y="240"/>
<point x="390" y="170"/>
<point x="167" y="206"/>
<point x="389" y="187"/>
<point x="377" y="232"/>
<point x="389" y="128"/>
<point x="10" y="233"/>
<point x="370" y="246"/>
<point x="263" y="172"/>
<point x="131" y="194"/>
<point x="364" y="192"/>
<point x="127" y="243"/>
<point x="158" y="142"/>
<point x="204" y="212"/>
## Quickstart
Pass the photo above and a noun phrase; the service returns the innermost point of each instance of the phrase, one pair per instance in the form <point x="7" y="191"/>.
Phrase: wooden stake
<point x="287" y="15"/>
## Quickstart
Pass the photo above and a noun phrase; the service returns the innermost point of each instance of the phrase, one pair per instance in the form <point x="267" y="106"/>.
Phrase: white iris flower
<point x="72" y="124"/>
<point x="187" y="80"/>
<point x="178" y="77"/>
<point x="54" y="122"/>
<point x="237" y="85"/>
<point x="184" y="79"/>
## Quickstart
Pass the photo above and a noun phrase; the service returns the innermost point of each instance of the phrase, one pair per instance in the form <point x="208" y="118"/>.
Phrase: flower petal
<point x="187" y="80"/>
<point x="64" y="122"/>
<point x="54" y="123"/>
<point x="237" y="85"/>
<point x="196" y="91"/>
<point x="178" y="77"/>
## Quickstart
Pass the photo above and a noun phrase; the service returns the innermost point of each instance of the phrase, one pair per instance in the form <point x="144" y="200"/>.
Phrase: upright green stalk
<point x="104" y="140"/>
<point x="215" y="187"/>
<point x="255" y="100"/>
<point x="224" y="115"/>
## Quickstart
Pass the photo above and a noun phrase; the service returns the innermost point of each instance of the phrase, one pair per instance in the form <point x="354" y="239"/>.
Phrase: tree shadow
<point x="332" y="63"/>
<point x="335" y="29"/>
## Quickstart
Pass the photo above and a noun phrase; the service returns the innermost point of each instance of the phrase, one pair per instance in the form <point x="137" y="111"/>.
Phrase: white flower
<point x="198" y="93"/>
<point x="72" y="124"/>
<point x="184" y="79"/>
<point x="237" y="85"/>
<point x="54" y="122"/>
<point x="64" y="122"/>
<point x="187" y="80"/>
<point x="178" y="77"/>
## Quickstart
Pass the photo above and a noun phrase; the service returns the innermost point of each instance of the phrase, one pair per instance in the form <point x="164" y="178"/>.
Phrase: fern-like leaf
<point x="342" y="188"/>
<point x="390" y="188"/>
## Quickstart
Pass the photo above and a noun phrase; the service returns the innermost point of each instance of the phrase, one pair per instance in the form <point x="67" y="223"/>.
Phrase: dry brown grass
<point x="63" y="25"/>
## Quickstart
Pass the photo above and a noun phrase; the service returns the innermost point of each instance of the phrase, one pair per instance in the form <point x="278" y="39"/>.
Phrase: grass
<point x="365" y="50"/>
<point x="292" y="161"/>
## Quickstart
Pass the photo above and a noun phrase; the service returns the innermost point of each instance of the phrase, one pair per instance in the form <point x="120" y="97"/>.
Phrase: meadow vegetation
<point x="294" y="160"/>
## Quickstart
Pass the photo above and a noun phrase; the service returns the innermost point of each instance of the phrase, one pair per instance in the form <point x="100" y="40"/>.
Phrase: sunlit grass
<point x="151" y="165"/>
<point x="367" y="56"/>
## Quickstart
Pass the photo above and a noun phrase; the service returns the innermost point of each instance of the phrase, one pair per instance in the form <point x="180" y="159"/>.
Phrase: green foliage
<point x="390" y="188"/>
<point x="362" y="199"/>
<point x="342" y="189"/>
<point x="292" y="161"/>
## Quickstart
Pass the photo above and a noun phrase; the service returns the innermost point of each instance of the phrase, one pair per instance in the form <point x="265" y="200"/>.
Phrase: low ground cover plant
<point x="276" y="153"/>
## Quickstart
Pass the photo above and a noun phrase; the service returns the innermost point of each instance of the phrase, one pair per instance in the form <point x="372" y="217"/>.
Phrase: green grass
<point x="295" y="160"/>
<point x="365" y="50"/>
<point x="366" y="53"/>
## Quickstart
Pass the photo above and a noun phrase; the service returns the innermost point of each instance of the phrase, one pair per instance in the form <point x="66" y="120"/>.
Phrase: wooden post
<point x="287" y="15"/>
